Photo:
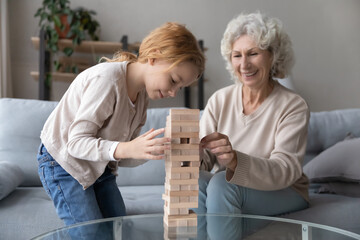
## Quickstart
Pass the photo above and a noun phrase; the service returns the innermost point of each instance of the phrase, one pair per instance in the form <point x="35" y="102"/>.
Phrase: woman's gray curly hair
<point x="268" y="34"/>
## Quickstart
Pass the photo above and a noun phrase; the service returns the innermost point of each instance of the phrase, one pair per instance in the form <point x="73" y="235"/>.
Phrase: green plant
<point x="56" y="16"/>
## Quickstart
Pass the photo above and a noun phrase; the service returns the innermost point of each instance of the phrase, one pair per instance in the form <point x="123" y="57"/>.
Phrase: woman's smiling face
<point x="250" y="63"/>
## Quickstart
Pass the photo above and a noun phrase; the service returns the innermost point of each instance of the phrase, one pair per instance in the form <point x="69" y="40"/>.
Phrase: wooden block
<point x="184" y="205"/>
<point x="184" y="193"/>
<point x="184" y="134"/>
<point x="190" y="151"/>
<point x="171" y="211"/>
<point x="187" y="217"/>
<point x="184" y="175"/>
<point x="173" y="199"/>
<point x="180" y="232"/>
<point x="183" y="211"/>
<point x="176" y="141"/>
<point x="189" y="129"/>
<point x="191" y="170"/>
<point x="174" y="129"/>
<point x="194" y="164"/>
<point x="172" y="175"/>
<point x="172" y="164"/>
<point x="187" y="158"/>
<point x="183" y="199"/>
<point x="194" y="175"/>
<point x="183" y="181"/>
<point x="173" y="187"/>
<point x="194" y="140"/>
<point x="185" y="147"/>
<point x="182" y="222"/>
<point x="184" y="111"/>
<point x="179" y="117"/>
<point x="175" y="152"/>
<point x="184" y="123"/>
<point x="192" y="222"/>
<point x="185" y="187"/>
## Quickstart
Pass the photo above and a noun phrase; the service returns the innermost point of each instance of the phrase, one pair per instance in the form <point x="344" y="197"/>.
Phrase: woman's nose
<point x="245" y="63"/>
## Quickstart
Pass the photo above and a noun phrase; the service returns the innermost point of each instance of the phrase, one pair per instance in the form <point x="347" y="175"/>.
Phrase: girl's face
<point x="251" y="64"/>
<point x="163" y="83"/>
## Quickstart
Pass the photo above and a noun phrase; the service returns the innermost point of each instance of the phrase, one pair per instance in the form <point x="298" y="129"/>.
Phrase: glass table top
<point x="222" y="227"/>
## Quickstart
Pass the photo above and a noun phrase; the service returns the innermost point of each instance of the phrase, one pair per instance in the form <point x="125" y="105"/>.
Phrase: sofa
<point x="26" y="211"/>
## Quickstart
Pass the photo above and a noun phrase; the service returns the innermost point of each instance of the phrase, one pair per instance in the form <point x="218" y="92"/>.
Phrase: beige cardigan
<point x="94" y="113"/>
<point x="270" y="143"/>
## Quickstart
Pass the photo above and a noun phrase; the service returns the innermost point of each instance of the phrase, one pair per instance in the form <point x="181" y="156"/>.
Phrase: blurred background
<point x="325" y="36"/>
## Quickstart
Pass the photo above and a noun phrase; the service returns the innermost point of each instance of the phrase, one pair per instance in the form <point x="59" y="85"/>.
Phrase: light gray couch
<point x="26" y="211"/>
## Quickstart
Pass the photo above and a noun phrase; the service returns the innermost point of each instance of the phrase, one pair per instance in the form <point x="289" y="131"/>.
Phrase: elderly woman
<point x="256" y="129"/>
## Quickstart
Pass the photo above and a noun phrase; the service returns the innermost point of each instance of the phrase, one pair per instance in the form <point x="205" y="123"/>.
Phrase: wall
<point x="325" y="35"/>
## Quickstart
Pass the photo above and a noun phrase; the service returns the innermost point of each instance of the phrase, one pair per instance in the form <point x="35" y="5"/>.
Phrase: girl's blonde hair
<point x="172" y="42"/>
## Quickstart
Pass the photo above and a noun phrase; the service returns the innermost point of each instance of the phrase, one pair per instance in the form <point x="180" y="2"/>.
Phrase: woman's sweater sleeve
<point x="284" y="166"/>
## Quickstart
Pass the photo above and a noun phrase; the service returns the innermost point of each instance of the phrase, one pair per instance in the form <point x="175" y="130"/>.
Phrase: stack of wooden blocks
<point x="182" y="163"/>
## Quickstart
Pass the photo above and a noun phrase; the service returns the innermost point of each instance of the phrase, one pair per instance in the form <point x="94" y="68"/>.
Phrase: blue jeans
<point x="74" y="204"/>
<point x="217" y="196"/>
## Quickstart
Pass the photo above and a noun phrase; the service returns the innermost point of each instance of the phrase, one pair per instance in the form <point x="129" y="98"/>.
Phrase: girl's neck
<point x="134" y="80"/>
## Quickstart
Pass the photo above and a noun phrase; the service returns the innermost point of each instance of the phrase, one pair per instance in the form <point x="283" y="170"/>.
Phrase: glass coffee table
<point x="215" y="227"/>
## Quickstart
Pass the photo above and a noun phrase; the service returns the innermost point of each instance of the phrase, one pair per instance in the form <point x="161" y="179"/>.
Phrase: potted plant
<point x="58" y="20"/>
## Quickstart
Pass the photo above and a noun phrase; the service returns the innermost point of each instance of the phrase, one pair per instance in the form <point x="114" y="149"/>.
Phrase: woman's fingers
<point x="216" y="143"/>
<point x="222" y="149"/>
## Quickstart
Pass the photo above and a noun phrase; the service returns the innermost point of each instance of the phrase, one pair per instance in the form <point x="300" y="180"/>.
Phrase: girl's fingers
<point x="157" y="148"/>
<point x="153" y="157"/>
<point x="155" y="133"/>
<point x="159" y="141"/>
<point x="145" y="134"/>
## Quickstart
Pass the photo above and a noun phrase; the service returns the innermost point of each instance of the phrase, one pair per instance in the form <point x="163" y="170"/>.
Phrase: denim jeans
<point x="74" y="204"/>
<point x="217" y="196"/>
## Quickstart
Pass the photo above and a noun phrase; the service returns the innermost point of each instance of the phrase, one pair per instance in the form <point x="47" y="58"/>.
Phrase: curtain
<point x="5" y="75"/>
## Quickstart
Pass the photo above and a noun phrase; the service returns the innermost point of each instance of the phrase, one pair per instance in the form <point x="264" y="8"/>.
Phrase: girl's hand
<point x="220" y="145"/>
<point x="145" y="146"/>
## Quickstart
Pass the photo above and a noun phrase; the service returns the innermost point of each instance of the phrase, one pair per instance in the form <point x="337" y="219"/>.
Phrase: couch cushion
<point x="332" y="210"/>
<point x="341" y="188"/>
<point x="329" y="127"/>
<point x="26" y="213"/>
<point x="11" y="176"/>
<point x="143" y="199"/>
<point x="340" y="162"/>
<point x="20" y="124"/>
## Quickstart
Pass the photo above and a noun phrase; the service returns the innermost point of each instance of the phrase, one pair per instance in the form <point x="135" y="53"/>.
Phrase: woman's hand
<point x="145" y="146"/>
<point x="220" y="145"/>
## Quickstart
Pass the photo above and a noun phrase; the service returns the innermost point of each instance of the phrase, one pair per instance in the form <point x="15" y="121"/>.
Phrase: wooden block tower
<point x="182" y="163"/>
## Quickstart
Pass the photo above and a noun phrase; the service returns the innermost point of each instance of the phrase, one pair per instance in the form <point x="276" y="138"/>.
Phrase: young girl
<point x="95" y="127"/>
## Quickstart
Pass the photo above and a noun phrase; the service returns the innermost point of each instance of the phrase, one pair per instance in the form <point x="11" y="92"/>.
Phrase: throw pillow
<point x="341" y="162"/>
<point x="11" y="176"/>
